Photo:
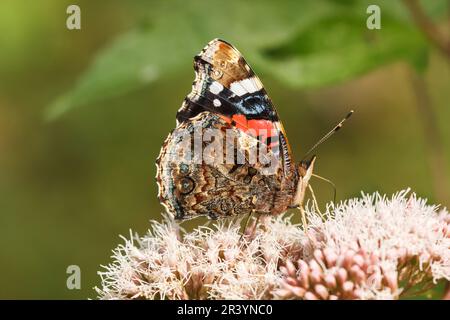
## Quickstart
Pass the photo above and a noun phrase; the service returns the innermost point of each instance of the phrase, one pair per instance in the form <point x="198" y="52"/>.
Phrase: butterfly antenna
<point x="328" y="135"/>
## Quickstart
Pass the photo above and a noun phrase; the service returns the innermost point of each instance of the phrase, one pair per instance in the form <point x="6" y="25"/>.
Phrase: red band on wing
<point x="264" y="129"/>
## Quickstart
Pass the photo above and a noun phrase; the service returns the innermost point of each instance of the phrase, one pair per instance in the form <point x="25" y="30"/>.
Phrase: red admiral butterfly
<point x="228" y="99"/>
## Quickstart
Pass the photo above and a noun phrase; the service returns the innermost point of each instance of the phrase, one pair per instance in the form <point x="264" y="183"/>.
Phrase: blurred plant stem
<point x="433" y="141"/>
<point x="439" y="39"/>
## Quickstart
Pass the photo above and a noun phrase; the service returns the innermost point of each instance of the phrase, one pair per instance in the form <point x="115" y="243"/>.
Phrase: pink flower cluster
<point x="371" y="247"/>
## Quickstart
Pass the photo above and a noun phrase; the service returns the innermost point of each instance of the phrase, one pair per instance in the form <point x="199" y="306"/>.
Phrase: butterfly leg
<point x="316" y="204"/>
<point x="246" y="225"/>
<point x="303" y="216"/>
<point x="330" y="182"/>
<point x="249" y="230"/>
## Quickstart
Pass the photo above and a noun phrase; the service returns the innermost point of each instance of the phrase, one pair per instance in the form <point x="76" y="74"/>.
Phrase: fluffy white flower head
<point x="366" y="248"/>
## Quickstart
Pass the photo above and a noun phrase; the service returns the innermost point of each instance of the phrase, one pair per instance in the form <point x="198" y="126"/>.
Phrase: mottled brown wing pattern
<point x="227" y="95"/>
<point x="189" y="190"/>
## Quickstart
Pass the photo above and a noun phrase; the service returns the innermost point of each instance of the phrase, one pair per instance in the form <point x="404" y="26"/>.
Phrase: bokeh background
<point x="83" y="113"/>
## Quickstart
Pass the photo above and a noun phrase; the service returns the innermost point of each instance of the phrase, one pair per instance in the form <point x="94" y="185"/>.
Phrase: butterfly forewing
<point x="225" y="84"/>
<point x="227" y="96"/>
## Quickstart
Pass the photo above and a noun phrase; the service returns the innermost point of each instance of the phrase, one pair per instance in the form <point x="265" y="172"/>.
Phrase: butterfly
<point x="245" y="165"/>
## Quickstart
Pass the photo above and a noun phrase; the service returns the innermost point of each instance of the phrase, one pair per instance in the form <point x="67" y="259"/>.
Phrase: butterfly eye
<point x="186" y="185"/>
<point x="217" y="74"/>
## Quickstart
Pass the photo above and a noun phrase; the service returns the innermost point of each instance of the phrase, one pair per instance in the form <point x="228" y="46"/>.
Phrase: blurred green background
<point x="83" y="113"/>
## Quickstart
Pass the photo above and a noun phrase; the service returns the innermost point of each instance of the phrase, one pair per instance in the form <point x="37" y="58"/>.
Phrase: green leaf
<point x="339" y="48"/>
<point x="167" y="43"/>
<point x="301" y="43"/>
<point x="135" y="59"/>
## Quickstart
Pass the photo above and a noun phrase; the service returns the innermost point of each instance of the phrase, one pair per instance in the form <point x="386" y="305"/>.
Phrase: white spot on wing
<point x="237" y="88"/>
<point x="215" y="87"/>
<point x="249" y="85"/>
<point x="217" y="103"/>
